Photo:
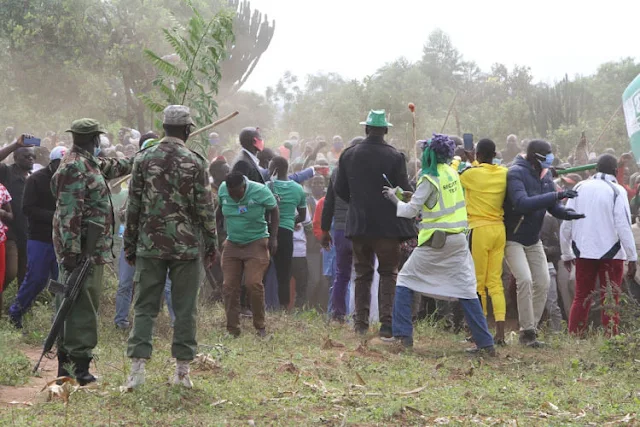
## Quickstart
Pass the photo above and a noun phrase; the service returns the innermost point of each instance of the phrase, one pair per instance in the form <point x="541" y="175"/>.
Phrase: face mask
<point x="317" y="192"/>
<point x="497" y="161"/>
<point x="259" y="144"/>
<point x="274" y="175"/>
<point x="338" y="146"/>
<point x="547" y="162"/>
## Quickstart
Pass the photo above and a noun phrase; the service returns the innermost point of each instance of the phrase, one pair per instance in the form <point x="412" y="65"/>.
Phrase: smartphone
<point x="32" y="141"/>
<point x="468" y="141"/>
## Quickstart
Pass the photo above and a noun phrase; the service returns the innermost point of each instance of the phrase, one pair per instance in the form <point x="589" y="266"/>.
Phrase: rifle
<point x="72" y="288"/>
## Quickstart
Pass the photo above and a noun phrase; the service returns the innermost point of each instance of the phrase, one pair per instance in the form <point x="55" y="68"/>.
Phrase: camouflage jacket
<point x="82" y="193"/>
<point x="170" y="205"/>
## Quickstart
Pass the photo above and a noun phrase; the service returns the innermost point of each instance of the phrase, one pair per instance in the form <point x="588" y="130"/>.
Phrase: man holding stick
<point x="170" y="205"/>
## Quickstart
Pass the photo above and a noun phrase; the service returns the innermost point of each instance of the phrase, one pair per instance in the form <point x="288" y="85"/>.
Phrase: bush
<point x="15" y="367"/>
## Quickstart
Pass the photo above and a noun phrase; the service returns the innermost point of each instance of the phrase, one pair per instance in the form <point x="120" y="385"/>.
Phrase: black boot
<point x="81" y="370"/>
<point x="529" y="338"/>
<point x="63" y="360"/>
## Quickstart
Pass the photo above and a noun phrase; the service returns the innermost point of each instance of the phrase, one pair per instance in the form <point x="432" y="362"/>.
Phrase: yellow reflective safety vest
<point x="450" y="212"/>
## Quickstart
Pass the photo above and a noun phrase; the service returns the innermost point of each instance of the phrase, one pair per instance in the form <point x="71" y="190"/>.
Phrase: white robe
<point x="447" y="273"/>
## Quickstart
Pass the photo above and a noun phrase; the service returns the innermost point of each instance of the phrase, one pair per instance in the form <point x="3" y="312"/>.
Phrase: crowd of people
<point x="365" y="232"/>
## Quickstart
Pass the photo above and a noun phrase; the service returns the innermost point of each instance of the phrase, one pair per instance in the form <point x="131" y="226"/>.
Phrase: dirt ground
<point x="27" y="393"/>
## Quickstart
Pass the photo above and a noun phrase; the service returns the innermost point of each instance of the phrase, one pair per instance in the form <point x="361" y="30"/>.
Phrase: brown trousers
<point x="251" y="261"/>
<point x="387" y="250"/>
<point x="16" y="262"/>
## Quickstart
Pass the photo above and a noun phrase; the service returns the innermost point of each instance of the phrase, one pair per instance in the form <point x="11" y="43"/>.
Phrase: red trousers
<point x="609" y="271"/>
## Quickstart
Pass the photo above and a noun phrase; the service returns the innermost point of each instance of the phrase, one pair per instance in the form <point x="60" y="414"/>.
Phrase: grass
<point x="310" y="372"/>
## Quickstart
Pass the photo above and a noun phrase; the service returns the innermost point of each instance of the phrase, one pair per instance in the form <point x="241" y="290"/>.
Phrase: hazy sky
<point x="355" y="37"/>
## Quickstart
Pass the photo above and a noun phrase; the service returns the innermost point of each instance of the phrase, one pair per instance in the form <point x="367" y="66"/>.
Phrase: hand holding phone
<point x="31" y="141"/>
<point x="467" y="138"/>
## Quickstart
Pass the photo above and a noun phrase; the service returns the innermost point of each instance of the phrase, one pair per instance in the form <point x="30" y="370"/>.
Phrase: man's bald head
<point x="607" y="164"/>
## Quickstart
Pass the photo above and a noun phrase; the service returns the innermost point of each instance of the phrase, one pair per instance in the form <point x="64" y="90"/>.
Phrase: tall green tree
<point x="191" y="77"/>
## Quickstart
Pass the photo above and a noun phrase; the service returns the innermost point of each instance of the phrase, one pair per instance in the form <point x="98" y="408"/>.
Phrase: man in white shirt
<point x="598" y="244"/>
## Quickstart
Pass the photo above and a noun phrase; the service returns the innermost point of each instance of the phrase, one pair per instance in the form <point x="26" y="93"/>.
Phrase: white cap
<point x="58" y="153"/>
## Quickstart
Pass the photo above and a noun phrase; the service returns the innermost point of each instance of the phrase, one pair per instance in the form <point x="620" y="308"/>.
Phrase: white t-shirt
<point x="300" y="238"/>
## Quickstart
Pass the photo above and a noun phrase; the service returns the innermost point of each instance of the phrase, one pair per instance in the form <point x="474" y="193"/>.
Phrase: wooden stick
<point x="606" y="127"/>
<point x="214" y="124"/>
<point x="446" y="119"/>
<point x="196" y="133"/>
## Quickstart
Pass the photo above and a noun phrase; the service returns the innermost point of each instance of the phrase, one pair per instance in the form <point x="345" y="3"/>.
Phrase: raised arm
<point x="113" y="168"/>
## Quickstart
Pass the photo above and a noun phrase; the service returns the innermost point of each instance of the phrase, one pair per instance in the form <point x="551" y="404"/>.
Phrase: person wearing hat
<point x="39" y="206"/>
<point x="82" y="195"/>
<point x="441" y="266"/>
<point x="372" y="224"/>
<point x="14" y="178"/>
<point x="170" y="212"/>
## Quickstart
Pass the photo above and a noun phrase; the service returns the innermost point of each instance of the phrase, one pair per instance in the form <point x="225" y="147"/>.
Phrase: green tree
<point x="191" y="77"/>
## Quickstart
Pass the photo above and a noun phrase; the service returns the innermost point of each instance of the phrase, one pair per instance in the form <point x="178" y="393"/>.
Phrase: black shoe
<point x="529" y="339"/>
<point x="16" y="322"/>
<point x="385" y="331"/>
<point x="485" y="351"/>
<point x="123" y="326"/>
<point x="361" y="330"/>
<point x="63" y="360"/>
<point x="81" y="371"/>
<point x="406" y="342"/>
<point x="262" y="333"/>
<point x="338" y="318"/>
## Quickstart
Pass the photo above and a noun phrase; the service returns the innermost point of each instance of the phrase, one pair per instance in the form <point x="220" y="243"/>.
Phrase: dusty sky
<point x="355" y="37"/>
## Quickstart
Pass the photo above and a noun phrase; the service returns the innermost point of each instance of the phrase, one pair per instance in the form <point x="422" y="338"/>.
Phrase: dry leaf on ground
<point x="329" y="344"/>
<point x="63" y="391"/>
<point x="414" y="391"/>
<point x="289" y="367"/>
<point x="204" y="362"/>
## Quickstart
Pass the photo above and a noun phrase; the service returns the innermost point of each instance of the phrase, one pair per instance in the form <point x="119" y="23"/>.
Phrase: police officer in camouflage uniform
<point x="170" y="207"/>
<point x="83" y="195"/>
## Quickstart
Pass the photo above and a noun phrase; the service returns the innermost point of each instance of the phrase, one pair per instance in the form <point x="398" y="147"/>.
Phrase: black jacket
<point x="335" y="209"/>
<point x="359" y="182"/>
<point x="247" y="167"/>
<point x="39" y="205"/>
<point x="528" y="198"/>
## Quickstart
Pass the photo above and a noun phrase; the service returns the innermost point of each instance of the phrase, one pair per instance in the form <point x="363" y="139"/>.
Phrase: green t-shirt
<point x="244" y="220"/>
<point x="290" y="196"/>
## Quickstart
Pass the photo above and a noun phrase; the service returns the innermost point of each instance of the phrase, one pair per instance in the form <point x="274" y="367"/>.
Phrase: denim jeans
<point x="125" y="292"/>
<point x="42" y="265"/>
<point x="344" y="261"/>
<point x="403" y="311"/>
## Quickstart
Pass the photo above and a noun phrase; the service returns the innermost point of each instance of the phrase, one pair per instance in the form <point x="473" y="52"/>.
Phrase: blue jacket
<point x="528" y="198"/>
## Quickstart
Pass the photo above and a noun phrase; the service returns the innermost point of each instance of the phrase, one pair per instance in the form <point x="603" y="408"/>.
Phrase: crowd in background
<point x="294" y="228"/>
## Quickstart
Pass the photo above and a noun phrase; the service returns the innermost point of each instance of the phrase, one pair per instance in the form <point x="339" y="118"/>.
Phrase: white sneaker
<point x="136" y="377"/>
<point x="181" y="376"/>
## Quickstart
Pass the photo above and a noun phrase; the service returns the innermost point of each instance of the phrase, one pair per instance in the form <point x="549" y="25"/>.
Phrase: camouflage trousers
<point x="79" y="336"/>
<point x="149" y="281"/>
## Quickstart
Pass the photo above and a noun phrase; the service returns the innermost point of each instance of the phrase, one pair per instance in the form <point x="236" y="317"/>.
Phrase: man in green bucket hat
<point x="372" y="225"/>
<point x="377" y="119"/>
